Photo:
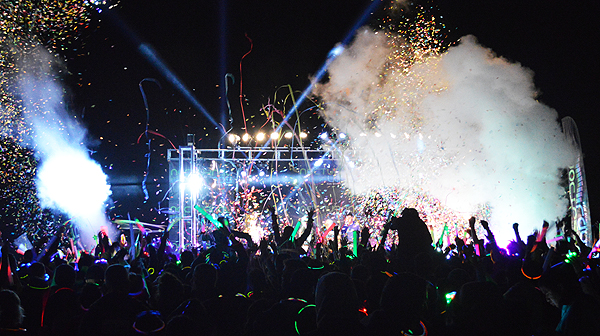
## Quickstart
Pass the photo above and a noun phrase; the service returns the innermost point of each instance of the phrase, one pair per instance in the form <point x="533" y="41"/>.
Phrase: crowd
<point x="236" y="287"/>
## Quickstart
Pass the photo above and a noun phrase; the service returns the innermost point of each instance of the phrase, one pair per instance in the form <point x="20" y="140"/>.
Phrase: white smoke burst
<point x="463" y="126"/>
<point x="67" y="178"/>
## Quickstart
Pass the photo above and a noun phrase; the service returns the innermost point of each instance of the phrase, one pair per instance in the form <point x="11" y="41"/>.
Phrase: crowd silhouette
<point x="277" y="287"/>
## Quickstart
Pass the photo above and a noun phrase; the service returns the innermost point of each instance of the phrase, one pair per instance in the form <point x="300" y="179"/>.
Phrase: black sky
<point x="291" y="39"/>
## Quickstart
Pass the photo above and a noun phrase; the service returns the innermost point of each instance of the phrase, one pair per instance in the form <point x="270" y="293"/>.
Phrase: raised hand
<point x="364" y="236"/>
<point x="459" y="243"/>
<point x="344" y="241"/>
<point x="263" y="245"/>
<point x="485" y="225"/>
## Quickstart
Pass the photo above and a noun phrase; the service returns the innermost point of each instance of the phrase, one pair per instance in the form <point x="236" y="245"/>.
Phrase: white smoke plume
<point x="67" y="178"/>
<point x="463" y="126"/>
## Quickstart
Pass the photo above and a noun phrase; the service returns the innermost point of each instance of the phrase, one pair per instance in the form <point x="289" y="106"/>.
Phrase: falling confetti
<point x="452" y="123"/>
<point x="29" y="32"/>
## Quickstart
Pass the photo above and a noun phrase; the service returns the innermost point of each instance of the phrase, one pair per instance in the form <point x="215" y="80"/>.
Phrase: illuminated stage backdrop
<point x="240" y="185"/>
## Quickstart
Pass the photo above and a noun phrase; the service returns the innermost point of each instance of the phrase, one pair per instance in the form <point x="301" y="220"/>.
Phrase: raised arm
<point x="275" y="225"/>
<point x="243" y="257"/>
<point x="161" y="249"/>
<point x="519" y="241"/>
<point x="584" y="249"/>
<point x="309" y="226"/>
<point x="384" y="233"/>
<point x="476" y="241"/>
<point x="246" y="236"/>
<point x="492" y="239"/>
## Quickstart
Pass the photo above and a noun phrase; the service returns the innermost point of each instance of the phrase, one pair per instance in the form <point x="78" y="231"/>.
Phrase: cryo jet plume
<point x="67" y="178"/>
<point x="462" y="126"/>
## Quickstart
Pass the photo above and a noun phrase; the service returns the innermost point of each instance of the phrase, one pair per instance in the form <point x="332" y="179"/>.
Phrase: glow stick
<point x="293" y="236"/>
<point x="444" y="231"/>
<point x="126" y="221"/>
<point x="137" y="246"/>
<point x="131" y="242"/>
<point x="170" y="226"/>
<point x="208" y="216"/>
<point x="355" y="247"/>
<point x="327" y="231"/>
<point x="542" y="233"/>
<point x="73" y="249"/>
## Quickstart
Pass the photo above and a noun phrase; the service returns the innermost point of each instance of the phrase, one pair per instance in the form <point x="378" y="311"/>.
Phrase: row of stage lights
<point x="261" y="137"/>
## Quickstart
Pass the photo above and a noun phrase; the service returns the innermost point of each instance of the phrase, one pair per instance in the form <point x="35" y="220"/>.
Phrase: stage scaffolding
<point x="188" y="163"/>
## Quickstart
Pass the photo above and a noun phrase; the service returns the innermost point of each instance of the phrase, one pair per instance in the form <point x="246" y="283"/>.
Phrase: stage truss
<point x="241" y="183"/>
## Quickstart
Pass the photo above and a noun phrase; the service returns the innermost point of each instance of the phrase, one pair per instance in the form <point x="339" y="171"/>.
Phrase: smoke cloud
<point x="67" y="178"/>
<point x="463" y="126"/>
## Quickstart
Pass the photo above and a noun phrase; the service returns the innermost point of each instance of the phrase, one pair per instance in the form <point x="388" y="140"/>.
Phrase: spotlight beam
<point x="333" y="54"/>
<point x="154" y="59"/>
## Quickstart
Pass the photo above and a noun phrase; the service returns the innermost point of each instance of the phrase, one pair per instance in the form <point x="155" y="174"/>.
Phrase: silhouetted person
<point x="204" y="282"/>
<point x="413" y="234"/>
<point x="579" y="311"/>
<point x="337" y="306"/>
<point x="115" y="312"/>
<point x="169" y="294"/>
<point x="11" y="314"/>
<point x="402" y="307"/>
<point x="34" y="293"/>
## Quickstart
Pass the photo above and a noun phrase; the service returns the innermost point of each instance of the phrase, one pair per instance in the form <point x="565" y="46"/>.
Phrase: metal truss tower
<point x="188" y="194"/>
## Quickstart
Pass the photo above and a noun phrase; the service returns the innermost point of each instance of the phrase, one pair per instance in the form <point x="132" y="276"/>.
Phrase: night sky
<point x="201" y="41"/>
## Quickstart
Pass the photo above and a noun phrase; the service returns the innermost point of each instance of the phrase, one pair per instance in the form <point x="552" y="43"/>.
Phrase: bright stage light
<point x="288" y="135"/>
<point x="323" y="136"/>
<point x="233" y="138"/>
<point x="260" y="137"/>
<point x="195" y="182"/>
<point x="303" y="135"/>
<point x="342" y="136"/>
<point x="336" y="51"/>
<point x="274" y="136"/>
<point x="246" y="137"/>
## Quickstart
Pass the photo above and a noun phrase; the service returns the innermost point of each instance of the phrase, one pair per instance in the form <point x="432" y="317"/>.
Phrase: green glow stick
<point x="208" y="216"/>
<point x="444" y="232"/>
<point x="355" y="247"/>
<point x="293" y="236"/>
<point x="170" y="226"/>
